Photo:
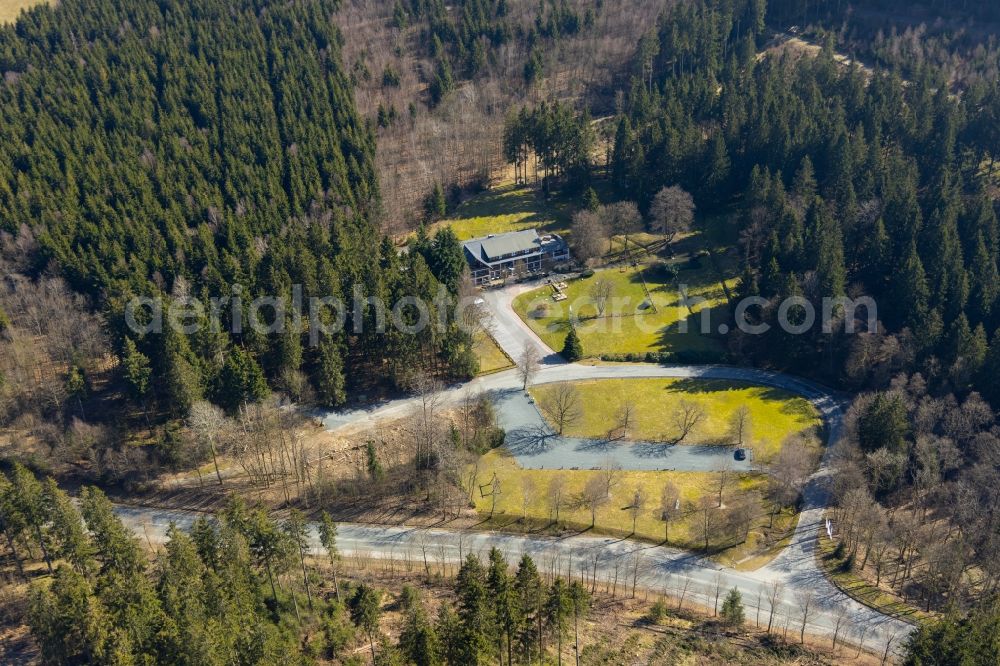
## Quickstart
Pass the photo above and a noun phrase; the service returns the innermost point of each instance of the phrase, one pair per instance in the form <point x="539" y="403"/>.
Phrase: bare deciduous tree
<point x="528" y="493"/>
<point x="495" y="492"/>
<point x="708" y="513"/>
<point x="686" y="418"/>
<point x="806" y="601"/>
<point x="884" y="468"/>
<point x="556" y="495"/>
<point x="209" y="424"/>
<point x="626" y="417"/>
<point x="742" y="514"/>
<point x="593" y="496"/>
<point x="717" y="584"/>
<point x="637" y="568"/>
<point x="610" y="473"/>
<point x="722" y="479"/>
<point x="637" y="506"/>
<point x="527" y="364"/>
<point x="562" y="405"/>
<point x="774" y="593"/>
<point x="671" y="213"/>
<point x="839" y="618"/>
<point x="600" y="293"/>
<point x="669" y="507"/>
<point x="426" y="429"/>
<point x="474" y="316"/>
<point x="740" y="426"/>
<point x="684" y="590"/>
<point x="49" y="336"/>
<point x="621" y="218"/>
<point x="589" y="234"/>
<point x="788" y="474"/>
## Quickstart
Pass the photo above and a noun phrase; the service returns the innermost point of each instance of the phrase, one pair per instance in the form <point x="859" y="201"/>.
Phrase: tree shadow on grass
<point x="799" y="407"/>
<point x="698" y="385"/>
<point x="544" y="214"/>
<point x="790" y="404"/>
<point x="699" y="338"/>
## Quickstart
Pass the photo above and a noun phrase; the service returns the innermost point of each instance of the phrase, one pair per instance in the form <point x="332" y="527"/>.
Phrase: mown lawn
<point x="774" y="414"/>
<point x="512" y="513"/>
<point x="509" y="208"/>
<point x="491" y="357"/>
<point x="629" y="325"/>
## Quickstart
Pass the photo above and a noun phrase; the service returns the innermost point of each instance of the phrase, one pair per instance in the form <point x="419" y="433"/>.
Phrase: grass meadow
<point x="774" y="414"/>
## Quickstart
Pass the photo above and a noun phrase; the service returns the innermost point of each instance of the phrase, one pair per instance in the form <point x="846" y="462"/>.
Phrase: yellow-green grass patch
<point x="628" y="325"/>
<point x="508" y="208"/>
<point x="774" y="414"/>
<point x="612" y="518"/>
<point x="11" y="9"/>
<point x="491" y="357"/>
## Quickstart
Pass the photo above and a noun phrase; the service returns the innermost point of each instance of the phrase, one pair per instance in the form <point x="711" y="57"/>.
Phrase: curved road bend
<point x="662" y="568"/>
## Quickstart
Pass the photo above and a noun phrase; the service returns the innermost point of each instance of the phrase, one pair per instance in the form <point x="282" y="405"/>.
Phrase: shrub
<point x="657" y="612"/>
<point x="698" y="260"/>
<point x="732" y="609"/>
<point x="683" y="357"/>
<point x="663" y="271"/>
<point x="697" y="357"/>
<point x="540" y="311"/>
<point x="587" y="273"/>
<point x="409" y="597"/>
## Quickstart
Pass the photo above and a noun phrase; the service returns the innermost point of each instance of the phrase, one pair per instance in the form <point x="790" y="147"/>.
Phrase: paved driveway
<point x="509" y="330"/>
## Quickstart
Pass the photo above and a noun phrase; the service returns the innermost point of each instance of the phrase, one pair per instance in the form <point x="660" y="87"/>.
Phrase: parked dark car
<point x="740" y="454"/>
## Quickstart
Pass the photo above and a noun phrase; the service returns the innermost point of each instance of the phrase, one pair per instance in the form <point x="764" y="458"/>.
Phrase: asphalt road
<point x="676" y="572"/>
<point x="667" y="570"/>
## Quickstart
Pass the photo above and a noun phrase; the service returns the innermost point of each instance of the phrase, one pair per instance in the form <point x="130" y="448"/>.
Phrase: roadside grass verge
<point x="764" y="546"/>
<point x="491" y="357"/>
<point x="639" y="324"/>
<point x="863" y="591"/>
<point x="774" y="414"/>
<point x="514" y="513"/>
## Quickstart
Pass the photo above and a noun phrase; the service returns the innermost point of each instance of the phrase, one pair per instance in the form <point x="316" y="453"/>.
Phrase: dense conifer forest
<point x="843" y="181"/>
<point x="214" y="149"/>
<point x="185" y="148"/>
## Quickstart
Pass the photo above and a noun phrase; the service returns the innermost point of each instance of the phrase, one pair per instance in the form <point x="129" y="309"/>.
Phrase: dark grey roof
<point x="514" y="242"/>
<point x="520" y="243"/>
